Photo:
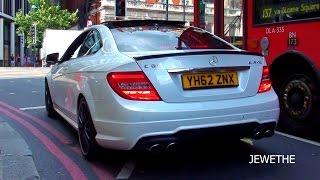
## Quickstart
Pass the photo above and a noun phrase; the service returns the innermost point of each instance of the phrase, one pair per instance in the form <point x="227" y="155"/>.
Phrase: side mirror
<point x="52" y="58"/>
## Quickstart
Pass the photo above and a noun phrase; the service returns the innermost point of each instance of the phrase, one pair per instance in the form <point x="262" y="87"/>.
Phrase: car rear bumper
<point x="126" y="124"/>
<point x="210" y="134"/>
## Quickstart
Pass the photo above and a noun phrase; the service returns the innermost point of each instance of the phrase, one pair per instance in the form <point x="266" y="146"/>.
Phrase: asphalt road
<point x="57" y="155"/>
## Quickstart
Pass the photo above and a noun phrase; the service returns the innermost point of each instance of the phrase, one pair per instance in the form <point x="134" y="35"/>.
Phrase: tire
<point x="48" y="101"/>
<point x="298" y="101"/>
<point x="86" y="131"/>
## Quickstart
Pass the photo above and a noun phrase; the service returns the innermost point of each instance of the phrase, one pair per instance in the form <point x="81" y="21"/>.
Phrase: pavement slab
<point x="16" y="161"/>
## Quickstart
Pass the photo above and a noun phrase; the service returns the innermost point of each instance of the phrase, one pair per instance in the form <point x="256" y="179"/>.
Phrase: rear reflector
<point x="265" y="84"/>
<point x="133" y="86"/>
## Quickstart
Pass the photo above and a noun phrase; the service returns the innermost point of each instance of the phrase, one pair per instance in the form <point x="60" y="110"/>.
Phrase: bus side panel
<point x="306" y="33"/>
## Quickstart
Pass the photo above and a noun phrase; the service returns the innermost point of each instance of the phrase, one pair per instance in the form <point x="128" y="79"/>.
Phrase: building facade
<point x="82" y="6"/>
<point x="181" y="10"/>
<point x="10" y="42"/>
<point x="97" y="11"/>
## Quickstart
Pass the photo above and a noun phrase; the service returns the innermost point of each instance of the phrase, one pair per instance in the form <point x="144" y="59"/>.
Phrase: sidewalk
<point x="23" y="72"/>
<point x="16" y="161"/>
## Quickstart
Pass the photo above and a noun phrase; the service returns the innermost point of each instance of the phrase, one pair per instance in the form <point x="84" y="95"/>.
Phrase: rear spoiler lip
<point x="144" y="57"/>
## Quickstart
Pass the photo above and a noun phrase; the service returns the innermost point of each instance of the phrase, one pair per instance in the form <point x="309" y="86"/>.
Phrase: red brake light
<point x="265" y="84"/>
<point x="133" y="86"/>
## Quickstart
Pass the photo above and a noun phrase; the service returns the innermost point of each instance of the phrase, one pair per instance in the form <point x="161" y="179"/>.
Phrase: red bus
<point x="287" y="33"/>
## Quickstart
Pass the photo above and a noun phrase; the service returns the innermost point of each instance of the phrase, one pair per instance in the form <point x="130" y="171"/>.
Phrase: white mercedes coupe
<point x="150" y="84"/>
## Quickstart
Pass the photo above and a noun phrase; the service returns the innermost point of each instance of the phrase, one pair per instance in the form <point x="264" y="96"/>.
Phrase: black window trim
<point x="136" y="22"/>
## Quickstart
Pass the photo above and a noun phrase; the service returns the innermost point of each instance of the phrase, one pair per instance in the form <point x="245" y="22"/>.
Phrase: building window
<point x="26" y="7"/>
<point x="233" y="4"/>
<point x="18" y="5"/>
<point x="7" y="7"/>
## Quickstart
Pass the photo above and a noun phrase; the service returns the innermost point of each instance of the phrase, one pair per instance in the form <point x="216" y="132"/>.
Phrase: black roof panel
<point x="135" y="23"/>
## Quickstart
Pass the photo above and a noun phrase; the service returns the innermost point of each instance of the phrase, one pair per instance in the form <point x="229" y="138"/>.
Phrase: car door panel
<point x="73" y="80"/>
<point x="74" y="73"/>
<point x="61" y="77"/>
<point x="57" y="79"/>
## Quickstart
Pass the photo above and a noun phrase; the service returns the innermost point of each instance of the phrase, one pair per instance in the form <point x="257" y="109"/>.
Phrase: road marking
<point x="126" y="170"/>
<point x="6" y="77"/>
<point x="247" y="140"/>
<point x="32" y="108"/>
<point x="298" y="138"/>
<point x="12" y="93"/>
<point x="72" y="167"/>
<point x="97" y="167"/>
<point x="34" y="91"/>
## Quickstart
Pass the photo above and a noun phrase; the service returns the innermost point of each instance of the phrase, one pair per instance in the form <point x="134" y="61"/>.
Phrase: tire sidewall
<point x="48" y="101"/>
<point x="93" y="146"/>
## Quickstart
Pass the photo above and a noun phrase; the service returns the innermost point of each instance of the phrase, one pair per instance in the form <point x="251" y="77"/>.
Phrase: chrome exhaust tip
<point x="268" y="133"/>
<point x="257" y="135"/>
<point x="172" y="147"/>
<point x="157" y="148"/>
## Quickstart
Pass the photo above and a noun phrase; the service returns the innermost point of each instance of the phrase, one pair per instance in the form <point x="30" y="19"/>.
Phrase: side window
<point x="73" y="49"/>
<point x="91" y="44"/>
<point x="98" y="42"/>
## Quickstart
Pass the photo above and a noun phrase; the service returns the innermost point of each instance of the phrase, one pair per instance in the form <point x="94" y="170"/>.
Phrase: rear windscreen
<point x="273" y="11"/>
<point x="153" y="38"/>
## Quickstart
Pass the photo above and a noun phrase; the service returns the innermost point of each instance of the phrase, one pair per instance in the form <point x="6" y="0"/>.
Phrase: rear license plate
<point x="208" y="80"/>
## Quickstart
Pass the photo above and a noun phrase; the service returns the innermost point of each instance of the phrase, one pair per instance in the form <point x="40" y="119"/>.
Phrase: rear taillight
<point x="265" y="84"/>
<point x="133" y="86"/>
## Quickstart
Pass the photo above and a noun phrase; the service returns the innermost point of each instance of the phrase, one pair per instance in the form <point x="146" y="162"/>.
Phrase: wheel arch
<point x="293" y="60"/>
<point x="89" y="103"/>
<point x="84" y="91"/>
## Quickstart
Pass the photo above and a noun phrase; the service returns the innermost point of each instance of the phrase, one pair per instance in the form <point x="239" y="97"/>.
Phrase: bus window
<point x="273" y="11"/>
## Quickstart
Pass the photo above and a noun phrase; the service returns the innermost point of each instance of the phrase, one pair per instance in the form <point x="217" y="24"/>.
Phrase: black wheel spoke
<point x="86" y="125"/>
<point x="87" y="134"/>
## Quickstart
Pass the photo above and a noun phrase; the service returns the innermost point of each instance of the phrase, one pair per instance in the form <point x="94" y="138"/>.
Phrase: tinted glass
<point x="91" y="44"/>
<point x="97" y="43"/>
<point x="153" y="38"/>
<point x="273" y="11"/>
